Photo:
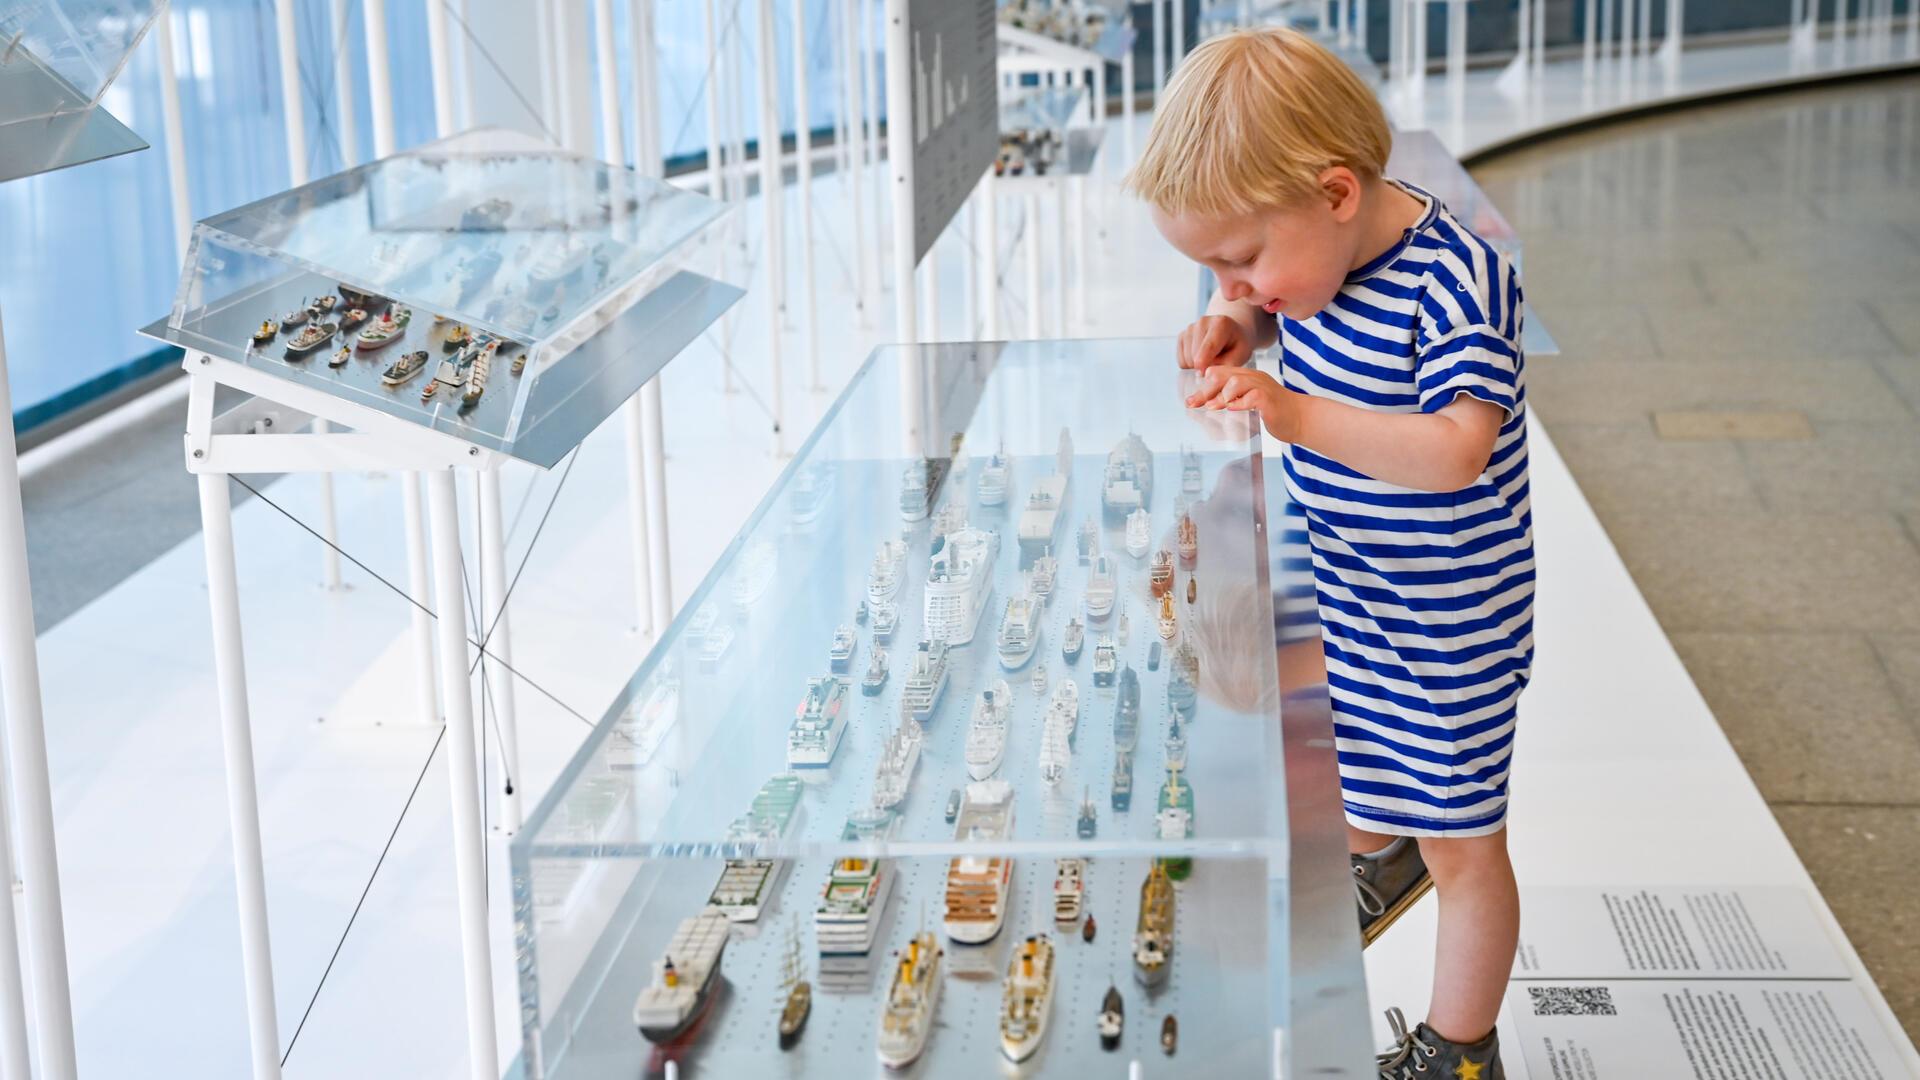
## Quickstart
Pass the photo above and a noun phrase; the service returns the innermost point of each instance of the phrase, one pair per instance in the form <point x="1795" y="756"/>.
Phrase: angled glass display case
<point x="57" y="57"/>
<point x="1044" y="134"/>
<point x="965" y="760"/>
<point x="486" y="286"/>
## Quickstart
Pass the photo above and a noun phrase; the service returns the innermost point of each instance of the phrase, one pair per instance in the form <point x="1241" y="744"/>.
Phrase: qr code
<point x="1572" y="1001"/>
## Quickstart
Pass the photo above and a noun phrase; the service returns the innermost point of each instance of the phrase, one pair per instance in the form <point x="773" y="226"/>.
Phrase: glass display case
<point x="1043" y="134"/>
<point x="1099" y="27"/>
<point x="966" y="756"/>
<point x="57" y="57"/>
<point x="485" y="286"/>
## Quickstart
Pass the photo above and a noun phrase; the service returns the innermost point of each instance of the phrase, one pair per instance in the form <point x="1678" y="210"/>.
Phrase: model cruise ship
<point x="1139" y="533"/>
<point x="856" y="894"/>
<point x="1072" y="640"/>
<point x="926" y="680"/>
<point x="993" y="479"/>
<point x="1069" y="889"/>
<point x="1026" y="998"/>
<point x="683" y="979"/>
<point x="959" y="580"/>
<point x="897" y="759"/>
<point x="987" y="733"/>
<point x="1160" y="575"/>
<point x="1126" y="710"/>
<point x="976" y="898"/>
<point x="840" y="652"/>
<point x="1056" y="733"/>
<point x="641" y="728"/>
<point x="754" y="573"/>
<point x="906" y="1018"/>
<point x="1129" y="477"/>
<point x="746" y="885"/>
<point x="1100" y="589"/>
<point x="1019" y="632"/>
<point x="888" y="570"/>
<point x="1043" y="576"/>
<point x="1105" y="661"/>
<point x="1153" y="934"/>
<point x="917" y="485"/>
<point x="818" y="724"/>
<point x="713" y="648"/>
<point x="885" y="618"/>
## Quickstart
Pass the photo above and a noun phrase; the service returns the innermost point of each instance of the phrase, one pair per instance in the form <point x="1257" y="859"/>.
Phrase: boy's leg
<point x="1479" y="929"/>
<point x="1388" y="878"/>
<point x="1362" y="842"/>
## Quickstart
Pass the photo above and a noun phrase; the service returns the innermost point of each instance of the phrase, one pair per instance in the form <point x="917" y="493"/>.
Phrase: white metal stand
<point x="497" y="637"/>
<point x="772" y="194"/>
<point x="987" y="239"/>
<point x="803" y="150"/>
<point x="1159" y="50"/>
<point x="1032" y="244"/>
<point x="850" y="91"/>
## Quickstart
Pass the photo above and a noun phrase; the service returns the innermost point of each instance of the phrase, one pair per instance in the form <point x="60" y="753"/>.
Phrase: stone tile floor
<point x="1760" y="257"/>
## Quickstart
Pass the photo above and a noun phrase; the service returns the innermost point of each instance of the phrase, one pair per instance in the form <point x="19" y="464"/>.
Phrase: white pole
<point x="635" y="415"/>
<point x="646" y="78"/>
<point x="1179" y="18"/>
<point x="243" y="805"/>
<point x="1060" y="249"/>
<point x="439" y="67"/>
<point x="659" y="544"/>
<point x="900" y="159"/>
<point x="987" y="239"/>
<point x="716" y="175"/>
<point x="379" y="76"/>
<point x="929" y="277"/>
<point x="872" y="76"/>
<point x="1159" y="50"/>
<point x="176" y="138"/>
<point x="345" y="122"/>
<point x="417" y="590"/>
<point x="772" y="194"/>
<point x="1587" y="42"/>
<point x="15" y="1055"/>
<point x="543" y="32"/>
<point x="1081" y="258"/>
<point x="737" y="118"/>
<point x="856" y="153"/>
<point x="1126" y="97"/>
<point x="1031" y="241"/>
<point x="293" y="108"/>
<point x="463" y="782"/>
<point x="497" y="635"/>
<point x="843" y="67"/>
<point x="803" y="148"/>
<point x="608" y="70"/>
<point x="970" y="275"/>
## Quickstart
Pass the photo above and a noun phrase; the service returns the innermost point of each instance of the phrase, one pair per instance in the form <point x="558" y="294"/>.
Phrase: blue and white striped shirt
<point x="1425" y="598"/>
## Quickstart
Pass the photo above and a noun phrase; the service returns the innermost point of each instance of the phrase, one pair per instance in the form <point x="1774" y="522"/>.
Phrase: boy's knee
<point x="1449" y="857"/>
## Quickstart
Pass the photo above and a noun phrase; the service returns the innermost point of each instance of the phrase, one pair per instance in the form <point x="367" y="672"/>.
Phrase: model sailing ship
<point x="1153" y="934"/>
<point x="1139" y="533"/>
<point x="1026" y="998"/>
<point x="959" y="580"/>
<point x="1100" y="589"/>
<point x="1019" y="632"/>
<point x="897" y="760"/>
<point x="976" y="895"/>
<point x="1160" y="575"/>
<point x="993" y="479"/>
<point x="746" y="885"/>
<point x="1072" y="640"/>
<point x="1056" y="735"/>
<point x="885" y="575"/>
<point x="1129" y="478"/>
<point x="796" y="993"/>
<point x="906" y="1017"/>
<point x="987" y="733"/>
<point x="818" y="724"/>
<point x="1069" y="889"/>
<point x="856" y="894"/>
<point x="926" y="680"/>
<point x="683" y="979"/>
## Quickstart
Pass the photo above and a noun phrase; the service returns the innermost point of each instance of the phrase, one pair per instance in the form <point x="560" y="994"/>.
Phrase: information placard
<point x="1680" y="931"/>
<point x="955" y="108"/>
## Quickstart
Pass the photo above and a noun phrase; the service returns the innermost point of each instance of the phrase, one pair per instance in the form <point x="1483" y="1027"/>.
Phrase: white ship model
<point x="1189" y="472"/>
<point x="876" y="676"/>
<point x="976" y="894"/>
<point x="959" y="580"/>
<point x="926" y="680"/>
<point x="1019" y="632"/>
<point x="1100" y="589"/>
<point x="854" y="901"/>
<point x="1040" y="520"/>
<point x="885" y="618"/>
<point x="754" y="573"/>
<point x="1169" y="624"/>
<point x="705" y="617"/>
<point x="713" y="648"/>
<point x="917" y="485"/>
<point x="1056" y="733"/>
<point x="1026" y="998"/>
<point x="810" y="490"/>
<point x="1139" y="533"/>
<point x="1072" y="640"/>
<point x="993" y="479"/>
<point x="1069" y="889"/>
<point x="1044" y="575"/>
<point x="884" y="576"/>
<point x="1105" y="661"/>
<point x="1126" y="711"/>
<point x="1039" y="680"/>
<point x="683" y="979"/>
<point x="898" y="757"/>
<point x="746" y="885"/>
<point x="840" y="651"/>
<point x="906" y="1018"/>
<point x="818" y="724"/>
<point x="1088" y="541"/>
<point x="1129" y="477"/>
<point x="639" y="732"/>
<point x="987" y="733"/>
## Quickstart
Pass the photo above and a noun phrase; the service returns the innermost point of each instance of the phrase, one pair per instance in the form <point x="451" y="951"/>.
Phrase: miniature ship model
<point x="1113" y="1018"/>
<point x="917" y="486"/>
<point x="391" y="326"/>
<point x="1040" y="520"/>
<point x="1026" y="998"/>
<point x="1169" y="1035"/>
<point x="1040" y="582"/>
<point x="907" y="1016"/>
<point x="976" y="895"/>
<point x="1189" y="541"/>
<point x="885" y="618"/>
<point x="876" y="676"/>
<point x="926" y="680"/>
<point x="1174" y="820"/>
<point x="949" y="519"/>
<point x="796" y="993"/>
<point x="340" y="356"/>
<point x="1088" y="541"/>
<point x="1122" y="780"/>
<point x="755" y="573"/>
<point x="1019" y="632"/>
<point x="1100" y="589"/>
<point x="353" y="317"/>
<point x="1056" y="735"/>
<point x="895" y="770"/>
<point x="477" y="371"/>
<point x="713" y="648"/>
<point x="1126" y="710"/>
<point x="1072" y="640"/>
<point x="1069" y="889"/>
<point x="953" y="805"/>
<point x="1089" y="819"/>
<point x="856" y="894"/>
<point x="457" y="337"/>
<point x="1105" y="662"/>
<point x="1193" y="589"/>
<point x="1139" y="533"/>
<point x="1129" y="478"/>
<point x="1189" y="472"/>
<point x="1087" y="929"/>
<point x="746" y="885"/>
<point x="959" y="580"/>
<point x="297" y="317"/>
<point x="1183" y="684"/>
<point x="840" y="652"/>
<point x="1176" y="747"/>
<point x="993" y="480"/>
<point x="1153" y="656"/>
<point x="683" y="979"/>
<point x="1153" y="935"/>
<point x="1169" y="625"/>
<point x="818" y="724"/>
<point x="266" y="333"/>
<point x="987" y="733"/>
<point x="1160" y="576"/>
<point x="409" y="365"/>
<point x="884" y="576"/>
<point x="302" y="345"/>
<point x="640" y="729"/>
<point x="1039" y="680"/>
<point x="810" y="489"/>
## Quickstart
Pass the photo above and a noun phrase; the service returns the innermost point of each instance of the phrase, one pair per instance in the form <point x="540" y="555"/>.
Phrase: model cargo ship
<point x="683" y="979"/>
<point x="811" y="488"/>
<point x="1040" y="520"/>
<point x="906" y="1018"/>
<point x="885" y="618"/>
<point x="1153" y="934"/>
<point x="1026" y="998"/>
<point x="1087" y="542"/>
<point x="987" y="732"/>
<point x="1189" y="540"/>
<point x="641" y="728"/>
<point x="898" y="757"/>
<point x="926" y="680"/>
<point x="754" y="574"/>
<point x="976" y="894"/>
<point x="1105" y="661"/>
<point x="1128" y="483"/>
<point x="1019" y="632"/>
<point x="1056" y="734"/>
<point x="819" y="722"/>
<point x="1126" y="710"/>
<point x="1160" y="574"/>
<point x="959" y="580"/>
<point x="746" y="885"/>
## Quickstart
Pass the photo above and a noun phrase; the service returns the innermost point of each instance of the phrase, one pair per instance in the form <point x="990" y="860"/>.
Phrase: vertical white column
<point x="293" y="106"/>
<point x="1060" y="250"/>
<point x="463" y="781"/>
<point x="716" y="172"/>
<point x="970" y="275"/>
<point x="900" y="160"/>
<point x="873" y="72"/>
<point x="649" y="159"/>
<point x="346" y="122"/>
<point x="543" y="51"/>
<point x="988" y="241"/>
<point x="176" y="137"/>
<point x="1081" y="261"/>
<point x="1031" y="241"/>
<point x="440" y="67"/>
<point x="243" y="806"/>
<point x="659" y="547"/>
<point x="1588" y="40"/>
<point x="607" y="77"/>
<point x="928" y="275"/>
<point x="1179" y="16"/>
<point x="497" y="636"/>
<point x="803" y="149"/>
<point x="772" y="193"/>
<point x="1159" y="50"/>
<point x="850" y="104"/>
<point x="646" y="81"/>
<point x="1126" y="98"/>
<point x="373" y="13"/>
<point x="16" y="1058"/>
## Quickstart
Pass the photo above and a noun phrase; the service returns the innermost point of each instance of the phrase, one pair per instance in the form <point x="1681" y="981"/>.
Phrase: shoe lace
<point x="1369" y="897"/>
<point x="1408" y="1057"/>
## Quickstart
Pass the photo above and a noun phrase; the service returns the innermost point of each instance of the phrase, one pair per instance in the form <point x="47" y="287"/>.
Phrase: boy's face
<point x="1289" y="261"/>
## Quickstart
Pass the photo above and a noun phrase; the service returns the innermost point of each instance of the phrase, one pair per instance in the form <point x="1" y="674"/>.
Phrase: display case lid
<point x="57" y="57"/>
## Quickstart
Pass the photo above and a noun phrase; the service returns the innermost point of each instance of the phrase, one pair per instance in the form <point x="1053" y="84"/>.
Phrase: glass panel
<point x="76" y="46"/>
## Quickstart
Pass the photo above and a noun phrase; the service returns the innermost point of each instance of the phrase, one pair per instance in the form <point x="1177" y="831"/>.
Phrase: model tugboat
<point x="1069" y="889"/>
<point x="993" y="479"/>
<point x="1169" y="1035"/>
<point x="926" y="680"/>
<point x="1105" y="661"/>
<point x="340" y="356"/>
<point x="1153" y="935"/>
<point x="796" y="993"/>
<point x="976" y="894"/>
<point x="1056" y="736"/>
<point x="409" y="365"/>
<point x="383" y="333"/>
<point x="1087" y="929"/>
<point x="855" y="897"/>
<point x="907" y="1016"/>
<point x="1026" y="998"/>
<point x="876" y="676"/>
<point x="1072" y="639"/>
<point x="1169" y="625"/>
<point x="895" y="770"/>
<point x="884" y="576"/>
<point x="818" y="724"/>
<point x="840" y="652"/>
<point x="886" y="618"/>
<point x="1089" y="819"/>
<point x="1046" y="571"/>
<point x="1019" y="632"/>
<point x="352" y="318"/>
<point x="1122" y="780"/>
<point x="987" y="733"/>
<point x="1100" y="589"/>
<point x="302" y="345"/>
<point x="1088" y="541"/>
<point x="266" y="333"/>
<point x="1126" y="710"/>
<point x="1139" y="533"/>
<point x="959" y="580"/>
<point x="1160" y="575"/>
<point x="297" y="317"/>
<point x="1129" y="478"/>
<point x="683" y="979"/>
<point x="1113" y="1018"/>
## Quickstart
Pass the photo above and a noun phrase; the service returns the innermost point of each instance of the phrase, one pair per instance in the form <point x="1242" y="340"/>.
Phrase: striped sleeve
<point x="1470" y="343"/>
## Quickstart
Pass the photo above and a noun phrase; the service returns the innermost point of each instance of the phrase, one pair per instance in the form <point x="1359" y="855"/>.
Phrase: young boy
<point x="1403" y="404"/>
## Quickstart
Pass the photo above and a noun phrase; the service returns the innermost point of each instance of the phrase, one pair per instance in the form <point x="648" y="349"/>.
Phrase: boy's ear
<point x="1341" y="188"/>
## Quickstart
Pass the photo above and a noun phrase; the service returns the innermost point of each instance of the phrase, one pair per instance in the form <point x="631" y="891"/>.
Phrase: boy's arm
<point x="1261" y="328"/>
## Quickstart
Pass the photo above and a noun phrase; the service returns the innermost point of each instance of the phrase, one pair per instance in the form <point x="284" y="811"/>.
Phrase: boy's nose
<point x="1233" y="289"/>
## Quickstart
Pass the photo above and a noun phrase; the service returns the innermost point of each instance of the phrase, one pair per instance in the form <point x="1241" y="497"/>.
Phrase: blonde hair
<point x="1251" y="120"/>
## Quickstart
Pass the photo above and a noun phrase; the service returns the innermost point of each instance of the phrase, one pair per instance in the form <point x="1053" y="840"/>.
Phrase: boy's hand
<point x="1244" y="389"/>
<point x="1213" y="340"/>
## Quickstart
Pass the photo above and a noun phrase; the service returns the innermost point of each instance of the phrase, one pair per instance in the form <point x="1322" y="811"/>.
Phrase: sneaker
<point x="1421" y="1053"/>
<point x="1387" y="883"/>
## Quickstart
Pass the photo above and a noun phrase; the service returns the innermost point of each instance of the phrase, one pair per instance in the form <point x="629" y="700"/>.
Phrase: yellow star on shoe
<point x="1468" y="1070"/>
